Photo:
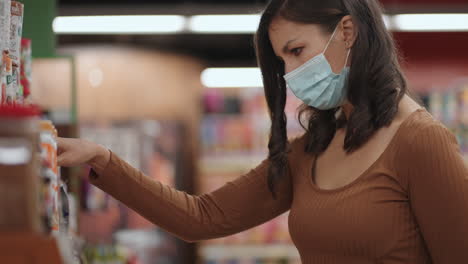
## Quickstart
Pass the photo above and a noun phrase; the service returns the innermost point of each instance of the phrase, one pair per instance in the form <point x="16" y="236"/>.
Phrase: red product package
<point x="19" y="111"/>
<point x="26" y="66"/>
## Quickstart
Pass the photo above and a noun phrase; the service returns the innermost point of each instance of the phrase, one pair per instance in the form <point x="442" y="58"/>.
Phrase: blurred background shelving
<point x="451" y="107"/>
<point x="234" y="135"/>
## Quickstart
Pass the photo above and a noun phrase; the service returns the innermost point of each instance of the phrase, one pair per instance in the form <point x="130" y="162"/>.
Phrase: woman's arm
<point x="438" y="192"/>
<point x="237" y="206"/>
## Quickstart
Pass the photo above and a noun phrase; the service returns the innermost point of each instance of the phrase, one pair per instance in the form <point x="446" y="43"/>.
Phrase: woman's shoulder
<point x="421" y="135"/>
<point x="419" y="124"/>
<point x="426" y="151"/>
<point x="413" y="120"/>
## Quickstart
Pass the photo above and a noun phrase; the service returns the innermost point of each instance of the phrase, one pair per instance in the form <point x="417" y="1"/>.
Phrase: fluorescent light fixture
<point x="119" y="24"/>
<point x="232" y="77"/>
<point x="430" y="22"/>
<point x="229" y="24"/>
<point x="388" y="21"/>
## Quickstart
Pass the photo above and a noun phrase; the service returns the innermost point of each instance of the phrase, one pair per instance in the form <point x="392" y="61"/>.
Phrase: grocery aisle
<point x="179" y="97"/>
<point x="234" y="139"/>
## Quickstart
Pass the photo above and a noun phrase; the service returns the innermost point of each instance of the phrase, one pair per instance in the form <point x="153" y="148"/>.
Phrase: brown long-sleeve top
<point x="410" y="206"/>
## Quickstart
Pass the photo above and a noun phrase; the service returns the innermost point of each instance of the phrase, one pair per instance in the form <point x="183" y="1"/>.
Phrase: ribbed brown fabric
<point x="410" y="206"/>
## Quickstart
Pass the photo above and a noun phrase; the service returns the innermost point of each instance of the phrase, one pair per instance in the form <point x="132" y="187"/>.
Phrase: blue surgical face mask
<point x="317" y="85"/>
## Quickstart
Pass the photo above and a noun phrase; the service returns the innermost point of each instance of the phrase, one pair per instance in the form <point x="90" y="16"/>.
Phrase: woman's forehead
<point x="283" y="26"/>
<point x="280" y="23"/>
<point x="284" y="30"/>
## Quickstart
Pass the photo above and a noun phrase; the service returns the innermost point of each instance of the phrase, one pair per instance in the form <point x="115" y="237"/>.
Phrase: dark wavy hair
<point x="376" y="83"/>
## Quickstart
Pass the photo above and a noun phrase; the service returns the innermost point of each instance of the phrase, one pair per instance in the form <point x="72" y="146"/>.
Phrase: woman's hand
<point x="75" y="152"/>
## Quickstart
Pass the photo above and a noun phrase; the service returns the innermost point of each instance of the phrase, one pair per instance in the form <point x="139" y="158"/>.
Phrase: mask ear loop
<point x="328" y="44"/>
<point x="347" y="57"/>
<point x="346" y="63"/>
<point x="330" y="40"/>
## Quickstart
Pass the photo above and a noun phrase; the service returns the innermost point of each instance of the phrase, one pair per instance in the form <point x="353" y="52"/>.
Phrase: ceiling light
<point x="119" y="24"/>
<point x="225" y="24"/>
<point x="430" y="22"/>
<point x="231" y="24"/>
<point x="232" y="77"/>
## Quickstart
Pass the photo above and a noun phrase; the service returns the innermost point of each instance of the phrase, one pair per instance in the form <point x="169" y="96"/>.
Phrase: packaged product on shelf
<point x="463" y="109"/>
<point x="15" y="86"/>
<point x="64" y="221"/>
<point x="45" y="198"/>
<point x="19" y="169"/>
<point x="48" y="136"/>
<point x="450" y="109"/>
<point x="26" y="67"/>
<point x="2" y="86"/>
<point x="109" y="254"/>
<point x="5" y="12"/>
<point x="464" y="105"/>
<point x="9" y="94"/>
<point x="436" y="105"/>
<point x="16" y="31"/>
<point x="73" y="215"/>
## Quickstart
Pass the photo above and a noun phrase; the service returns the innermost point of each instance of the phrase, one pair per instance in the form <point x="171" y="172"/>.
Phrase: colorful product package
<point x="6" y="77"/>
<point x="26" y="67"/>
<point x="16" y="31"/>
<point x="48" y="135"/>
<point x="5" y="13"/>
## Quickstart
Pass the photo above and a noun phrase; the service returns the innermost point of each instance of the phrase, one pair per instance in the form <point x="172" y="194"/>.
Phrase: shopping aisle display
<point x="106" y="254"/>
<point x="32" y="191"/>
<point x="11" y="64"/>
<point x="234" y="138"/>
<point x="237" y="121"/>
<point x="451" y="107"/>
<point x="86" y="226"/>
<point x="19" y="169"/>
<point x="153" y="147"/>
<point x="37" y="208"/>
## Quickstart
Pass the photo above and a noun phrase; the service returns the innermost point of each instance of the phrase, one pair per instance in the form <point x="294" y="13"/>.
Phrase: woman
<point x="374" y="179"/>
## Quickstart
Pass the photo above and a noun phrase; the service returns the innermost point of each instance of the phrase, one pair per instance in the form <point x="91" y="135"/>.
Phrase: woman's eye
<point x="296" y="51"/>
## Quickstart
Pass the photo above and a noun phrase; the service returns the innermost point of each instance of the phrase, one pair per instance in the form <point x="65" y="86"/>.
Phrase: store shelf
<point x="29" y="249"/>
<point x="272" y="251"/>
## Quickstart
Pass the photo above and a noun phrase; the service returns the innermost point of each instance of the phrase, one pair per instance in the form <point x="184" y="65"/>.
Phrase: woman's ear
<point x="349" y="31"/>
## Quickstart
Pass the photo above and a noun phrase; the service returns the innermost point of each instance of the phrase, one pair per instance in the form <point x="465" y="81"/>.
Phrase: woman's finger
<point x="61" y="145"/>
<point x="62" y="142"/>
<point x="62" y="159"/>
